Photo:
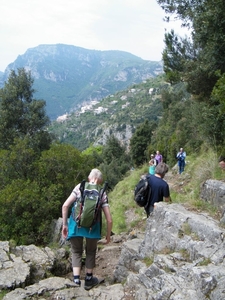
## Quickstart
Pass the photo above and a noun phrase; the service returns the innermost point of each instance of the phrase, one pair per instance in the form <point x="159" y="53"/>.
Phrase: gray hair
<point x="161" y="169"/>
<point x="95" y="174"/>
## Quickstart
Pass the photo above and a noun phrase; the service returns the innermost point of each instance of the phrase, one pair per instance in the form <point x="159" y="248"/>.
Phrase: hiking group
<point x="88" y="200"/>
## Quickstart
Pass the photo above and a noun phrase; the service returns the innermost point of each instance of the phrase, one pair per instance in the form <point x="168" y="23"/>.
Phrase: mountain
<point x="117" y="115"/>
<point x="65" y="76"/>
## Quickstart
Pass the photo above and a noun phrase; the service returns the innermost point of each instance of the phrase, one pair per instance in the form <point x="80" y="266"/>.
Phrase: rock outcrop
<point x="185" y="252"/>
<point x="213" y="191"/>
<point x="181" y="256"/>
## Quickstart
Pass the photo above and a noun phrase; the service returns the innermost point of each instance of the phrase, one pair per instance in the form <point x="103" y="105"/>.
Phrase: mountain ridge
<point x="66" y="75"/>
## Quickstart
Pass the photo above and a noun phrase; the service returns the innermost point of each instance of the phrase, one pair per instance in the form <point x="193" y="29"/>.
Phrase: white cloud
<point x="127" y="25"/>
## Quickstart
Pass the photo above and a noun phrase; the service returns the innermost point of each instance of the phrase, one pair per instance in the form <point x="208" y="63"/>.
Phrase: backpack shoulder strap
<point x="82" y="187"/>
<point x="103" y="190"/>
<point x="149" y="190"/>
<point x="101" y="193"/>
<point x="98" y="206"/>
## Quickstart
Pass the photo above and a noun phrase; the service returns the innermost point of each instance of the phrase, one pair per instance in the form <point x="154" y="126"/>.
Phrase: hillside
<point x="66" y="76"/>
<point x="117" y="114"/>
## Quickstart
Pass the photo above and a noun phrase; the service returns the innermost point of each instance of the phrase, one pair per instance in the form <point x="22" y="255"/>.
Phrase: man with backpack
<point x="85" y="224"/>
<point x="159" y="188"/>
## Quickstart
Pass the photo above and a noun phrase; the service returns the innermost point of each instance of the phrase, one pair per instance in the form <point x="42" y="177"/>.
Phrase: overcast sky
<point x="135" y="26"/>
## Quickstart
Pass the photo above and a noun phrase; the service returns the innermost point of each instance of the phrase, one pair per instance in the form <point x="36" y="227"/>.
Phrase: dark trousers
<point x="181" y="165"/>
<point x="77" y="251"/>
<point x="149" y="209"/>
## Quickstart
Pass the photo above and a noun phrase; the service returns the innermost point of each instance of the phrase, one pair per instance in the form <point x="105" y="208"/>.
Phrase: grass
<point x="3" y="293"/>
<point x="121" y="199"/>
<point x="205" y="262"/>
<point x="186" y="228"/>
<point x="185" y="254"/>
<point x="199" y="168"/>
<point x="148" y="261"/>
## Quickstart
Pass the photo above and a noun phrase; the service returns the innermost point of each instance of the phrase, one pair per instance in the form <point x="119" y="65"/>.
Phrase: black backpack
<point x="142" y="191"/>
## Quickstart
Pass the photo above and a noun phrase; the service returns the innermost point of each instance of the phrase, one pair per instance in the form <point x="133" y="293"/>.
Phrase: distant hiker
<point x="152" y="164"/>
<point x="222" y="162"/>
<point x="181" y="155"/>
<point x="75" y="232"/>
<point x="158" y="157"/>
<point x="159" y="188"/>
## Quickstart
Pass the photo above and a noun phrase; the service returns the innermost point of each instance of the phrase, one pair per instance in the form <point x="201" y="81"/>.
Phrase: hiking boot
<point x="89" y="284"/>
<point x="77" y="283"/>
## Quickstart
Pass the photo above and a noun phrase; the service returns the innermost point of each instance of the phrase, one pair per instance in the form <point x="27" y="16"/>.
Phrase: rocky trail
<point x="108" y="256"/>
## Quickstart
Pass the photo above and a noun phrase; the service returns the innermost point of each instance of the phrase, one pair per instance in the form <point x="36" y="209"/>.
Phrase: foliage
<point x="17" y="163"/>
<point x="218" y="94"/>
<point x="3" y="293"/>
<point x="139" y="142"/>
<point x="21" y="205"/>
<point x="174" y="57"/>
<point x="115" y="161"/>
<point x="199" y="60"/>
<point x="92" y="156"/>
<point x="61" y="165"/>
<point x="216" y="115"/>
<point x="33" y="188"/>
<point x="30" y="203"/>
<point x="188" y="123"/>
<point x="21" y="115"/>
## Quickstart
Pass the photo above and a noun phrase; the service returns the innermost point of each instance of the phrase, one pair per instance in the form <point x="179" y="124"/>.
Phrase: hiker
<point x="181" y="155"/>
<point x="158" y="157"/>
<point x="152" y="164"/>
<point x="159" y="188"/>
<point x="71" y="231"/>
<point x="222" y="162"/>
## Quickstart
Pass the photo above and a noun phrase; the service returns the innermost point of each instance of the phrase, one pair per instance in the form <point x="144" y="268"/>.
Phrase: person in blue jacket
<point x="152" y="165"/>
<point x="75" y="234"/>
<point x="181" y="155"/>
